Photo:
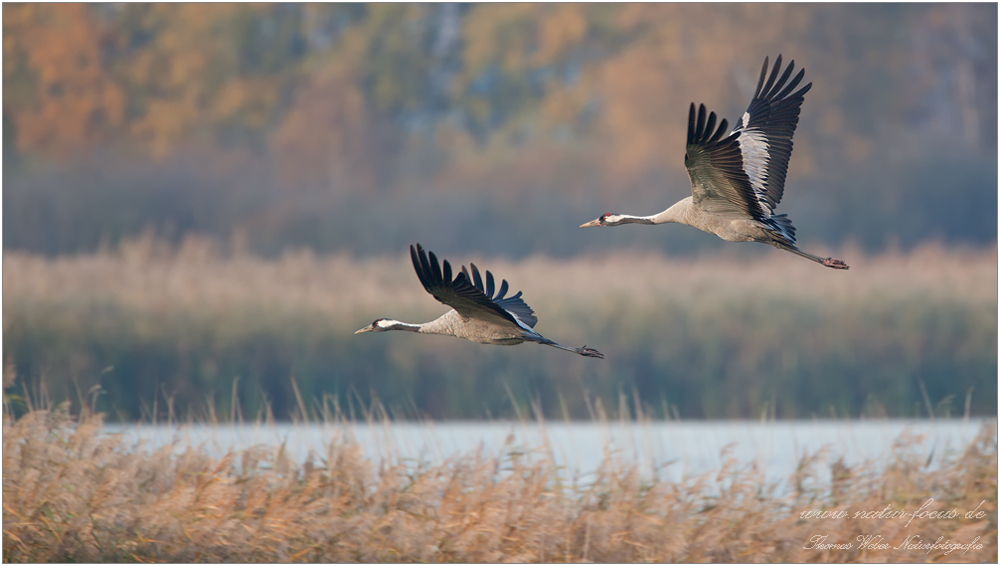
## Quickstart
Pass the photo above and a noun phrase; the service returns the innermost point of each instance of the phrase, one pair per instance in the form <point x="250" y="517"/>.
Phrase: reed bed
<point x="735" y="335"/>
<point x="74" y="493"/>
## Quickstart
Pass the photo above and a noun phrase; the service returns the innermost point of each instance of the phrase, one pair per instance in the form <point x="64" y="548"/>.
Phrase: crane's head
<point x="380" y="325"/>
<point x="607" y="219"/>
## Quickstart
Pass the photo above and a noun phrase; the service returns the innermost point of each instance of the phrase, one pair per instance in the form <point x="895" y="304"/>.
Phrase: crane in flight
<point x="737" y="179"/>
<point x="476" y="313"/>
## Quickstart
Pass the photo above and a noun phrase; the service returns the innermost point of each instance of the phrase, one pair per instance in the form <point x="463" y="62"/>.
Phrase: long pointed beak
<point x="365" y="329"/>
<point x="592" y="223"/>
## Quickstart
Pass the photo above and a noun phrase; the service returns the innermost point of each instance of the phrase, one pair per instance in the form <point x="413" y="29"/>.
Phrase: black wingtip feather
<point x="699" y="129"/>
<point x="436" y="275"/>
<point x="476" y="279"/>
<point x="425" y="267"/>
<point x="690" y="139"/>
<point x="720" y="132"/>
<point x="791" y="86"/>
<point x="418" y="264"/>
<point x="702" y="128"/>
<point x="804" y="90"/>
<point x="503" y="290"/>
<point x="447" y="272"/>
<point x="776" y="67"/>
<point x="773" y="76"/>
<point x="784" y="76"/>
<point x="760" y="81"/>
<point x="413" y="258"/>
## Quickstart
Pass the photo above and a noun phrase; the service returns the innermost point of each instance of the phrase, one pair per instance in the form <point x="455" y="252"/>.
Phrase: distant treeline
<point x="360" y="127"/>
<point x="952" y="200"/>
<point x="141" y="332"/>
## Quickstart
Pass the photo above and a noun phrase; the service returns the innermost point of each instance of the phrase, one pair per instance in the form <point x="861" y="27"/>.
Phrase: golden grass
<point x="148" y="275"/>
<point x="71" y="493"/>
<point x="785" y="333"/>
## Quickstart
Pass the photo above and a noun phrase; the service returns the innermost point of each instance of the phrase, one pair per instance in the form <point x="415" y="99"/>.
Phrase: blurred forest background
<point x="479" y="130"/>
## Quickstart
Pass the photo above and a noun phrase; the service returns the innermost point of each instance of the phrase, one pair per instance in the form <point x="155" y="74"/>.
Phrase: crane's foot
<point x="590" y="353"/>
<point x="835" y="263"/>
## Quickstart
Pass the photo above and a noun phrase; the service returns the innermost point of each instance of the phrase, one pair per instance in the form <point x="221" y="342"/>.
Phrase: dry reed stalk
<point x="149" y="276"/>
<point x="73" y="493"/>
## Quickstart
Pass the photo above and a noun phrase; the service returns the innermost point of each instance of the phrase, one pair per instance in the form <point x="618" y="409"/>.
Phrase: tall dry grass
<point x="73" y="493"/>
<point x="726" y="336"/>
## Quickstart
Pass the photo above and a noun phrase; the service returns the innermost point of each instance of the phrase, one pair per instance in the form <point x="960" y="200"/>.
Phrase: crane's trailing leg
<point x="827" y="261"/>
<point x="588" y="352"/>
<point x="835" y="263"/>
<point x="585" y="351"/>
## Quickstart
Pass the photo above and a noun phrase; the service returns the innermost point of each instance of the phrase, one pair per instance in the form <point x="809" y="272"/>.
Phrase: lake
<point x="670" y="450"/>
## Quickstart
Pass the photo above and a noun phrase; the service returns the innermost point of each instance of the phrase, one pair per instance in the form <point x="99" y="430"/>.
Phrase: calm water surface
<point x="670" y="450"/>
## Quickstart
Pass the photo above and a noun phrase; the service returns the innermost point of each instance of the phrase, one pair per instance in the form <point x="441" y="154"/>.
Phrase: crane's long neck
<point x="676" y="213"/>
<point x="443" y="325"/>
<point x="449" y="324"/>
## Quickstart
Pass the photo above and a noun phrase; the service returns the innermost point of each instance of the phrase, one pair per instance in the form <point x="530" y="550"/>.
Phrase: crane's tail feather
<point x="781" y="224"/>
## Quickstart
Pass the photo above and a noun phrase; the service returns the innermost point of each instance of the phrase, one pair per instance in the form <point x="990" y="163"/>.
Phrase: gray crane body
<point x="453" y="324"/>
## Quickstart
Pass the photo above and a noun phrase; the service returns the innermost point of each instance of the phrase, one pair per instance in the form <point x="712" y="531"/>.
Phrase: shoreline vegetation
<point x="75" y="493"/>
<point x="735" y="335"/>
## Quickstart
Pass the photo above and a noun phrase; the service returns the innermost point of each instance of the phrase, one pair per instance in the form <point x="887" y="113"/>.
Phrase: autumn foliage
<point x="338" y="90"/>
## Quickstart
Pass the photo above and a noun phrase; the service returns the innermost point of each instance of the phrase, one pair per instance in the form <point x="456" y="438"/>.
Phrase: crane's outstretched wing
<point x="513" y="304"/>
<point x="714" y="162"/>
<point x="466" y="294"/>
<point x="766" y="129"/>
